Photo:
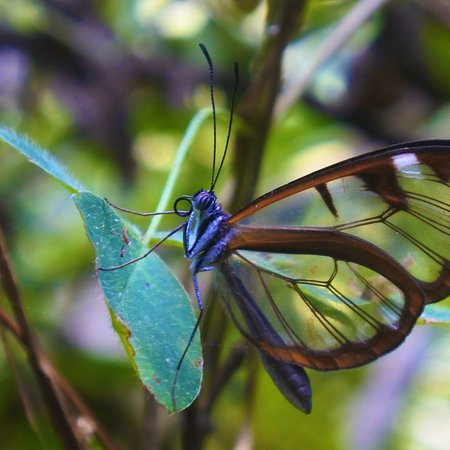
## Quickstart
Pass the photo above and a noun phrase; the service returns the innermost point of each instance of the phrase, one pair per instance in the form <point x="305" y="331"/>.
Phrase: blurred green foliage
<point x="110" y="87"/>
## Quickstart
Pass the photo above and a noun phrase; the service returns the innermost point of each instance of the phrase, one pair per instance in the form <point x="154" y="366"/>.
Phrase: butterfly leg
<point x="197" y="291"/>
<point x="191" y="338"/>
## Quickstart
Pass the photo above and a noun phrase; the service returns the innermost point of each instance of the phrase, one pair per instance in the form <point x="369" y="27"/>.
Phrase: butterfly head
<point x="203" y="201"/>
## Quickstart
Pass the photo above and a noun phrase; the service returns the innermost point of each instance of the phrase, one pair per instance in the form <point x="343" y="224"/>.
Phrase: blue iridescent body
<point x="206" y="234"/>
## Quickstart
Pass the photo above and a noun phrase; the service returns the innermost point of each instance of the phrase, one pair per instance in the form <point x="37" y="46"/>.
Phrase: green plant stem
<point x="182" y="152"/>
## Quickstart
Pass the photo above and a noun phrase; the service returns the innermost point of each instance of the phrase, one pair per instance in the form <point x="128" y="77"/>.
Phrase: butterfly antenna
<point x="150" y="250"/>
<point x="139" y="213"/>
<point x="213" y="107"/>
<point x="230" y="123"/>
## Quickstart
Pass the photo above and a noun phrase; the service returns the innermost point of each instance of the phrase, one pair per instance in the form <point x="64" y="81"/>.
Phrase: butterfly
<point x="331" y="270"/>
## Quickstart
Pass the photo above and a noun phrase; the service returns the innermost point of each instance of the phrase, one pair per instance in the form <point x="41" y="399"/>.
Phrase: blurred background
<point x="109" y="87"/>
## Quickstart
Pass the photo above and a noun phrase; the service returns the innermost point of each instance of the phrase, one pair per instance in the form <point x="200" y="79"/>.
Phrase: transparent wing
<point x="396" y="198"/>
<point x="322" y="312"/>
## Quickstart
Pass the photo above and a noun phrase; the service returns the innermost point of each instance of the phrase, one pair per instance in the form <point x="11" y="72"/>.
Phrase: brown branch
<point x="62" y="384"/>
<point x="60" y="418"/>
<point x="58" y="415"/>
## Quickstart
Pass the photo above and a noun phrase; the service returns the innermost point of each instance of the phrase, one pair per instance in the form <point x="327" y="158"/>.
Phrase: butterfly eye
<point x="183" y="212"/>
<point x="203" y="200"/>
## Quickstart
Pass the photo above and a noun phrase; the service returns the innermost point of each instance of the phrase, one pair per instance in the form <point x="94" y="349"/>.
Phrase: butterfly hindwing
<point x="325" y="311"/>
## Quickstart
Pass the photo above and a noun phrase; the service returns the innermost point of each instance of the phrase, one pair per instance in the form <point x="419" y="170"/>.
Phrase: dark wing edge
<point x="424" y="150"/>
<point x="439" y="289"/>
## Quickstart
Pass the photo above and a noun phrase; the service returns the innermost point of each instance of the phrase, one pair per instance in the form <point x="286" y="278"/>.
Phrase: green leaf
<point x="40" y="157"/>
<point x="150" y="309"/>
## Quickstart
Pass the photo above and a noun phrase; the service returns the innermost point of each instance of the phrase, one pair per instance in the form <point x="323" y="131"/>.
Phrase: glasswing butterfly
<point x="329" y="271"/>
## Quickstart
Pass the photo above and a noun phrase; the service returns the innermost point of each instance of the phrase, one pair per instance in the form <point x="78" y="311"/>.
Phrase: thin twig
<point x="22" y="390"/>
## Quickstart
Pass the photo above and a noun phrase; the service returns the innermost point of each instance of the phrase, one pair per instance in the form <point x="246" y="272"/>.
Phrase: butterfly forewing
<point x="397" y="199"/>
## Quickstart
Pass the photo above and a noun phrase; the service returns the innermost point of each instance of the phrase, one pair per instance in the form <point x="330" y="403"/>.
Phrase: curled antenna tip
<point x="205" y="52"/>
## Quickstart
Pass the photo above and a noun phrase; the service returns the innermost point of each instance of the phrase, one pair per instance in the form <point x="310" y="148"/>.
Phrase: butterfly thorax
<point x="206" y="234"/>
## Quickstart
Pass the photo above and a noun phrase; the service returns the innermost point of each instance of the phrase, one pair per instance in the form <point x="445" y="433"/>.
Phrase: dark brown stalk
<point x="60" y="419"/>
<point x="150" y="436"/>
<point x="256" y="107"/>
